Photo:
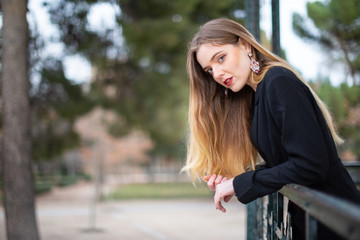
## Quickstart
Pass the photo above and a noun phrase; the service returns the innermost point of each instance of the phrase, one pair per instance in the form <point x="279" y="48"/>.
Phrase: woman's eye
<point x="209" y="71"/>
<point x="221" y="59"/>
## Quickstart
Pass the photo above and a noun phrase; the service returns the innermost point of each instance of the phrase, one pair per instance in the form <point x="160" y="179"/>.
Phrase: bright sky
<point x="304" y="56"/>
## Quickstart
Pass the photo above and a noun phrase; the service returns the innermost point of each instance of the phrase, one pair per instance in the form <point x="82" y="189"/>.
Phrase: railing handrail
<point x="351" y="163"/>
<point x="266" y="216"/>
<point x="343" y="219"/>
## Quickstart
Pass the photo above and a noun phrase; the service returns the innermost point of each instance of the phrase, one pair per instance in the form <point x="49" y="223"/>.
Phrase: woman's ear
<point x="245" y="44"/>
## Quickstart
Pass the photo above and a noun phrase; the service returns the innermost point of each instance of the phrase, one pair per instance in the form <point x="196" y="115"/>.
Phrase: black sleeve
<point x="292" y="110"/>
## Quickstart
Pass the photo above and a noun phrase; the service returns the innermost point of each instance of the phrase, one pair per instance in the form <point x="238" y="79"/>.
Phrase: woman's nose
<point x="217" y="74"/>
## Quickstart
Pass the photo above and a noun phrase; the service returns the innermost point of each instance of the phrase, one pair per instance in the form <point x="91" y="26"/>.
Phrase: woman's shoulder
<point x="277" y="73"/>
<point x="280" y="76"/>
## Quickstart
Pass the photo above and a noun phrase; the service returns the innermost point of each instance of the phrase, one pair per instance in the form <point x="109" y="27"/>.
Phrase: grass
<point x="43" y="186"/>
<point x="67" y="181"/>
<point x="160" y="191"/>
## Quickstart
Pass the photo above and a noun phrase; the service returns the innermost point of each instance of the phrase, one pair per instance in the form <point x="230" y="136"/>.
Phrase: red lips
<point x="228" y="81"/>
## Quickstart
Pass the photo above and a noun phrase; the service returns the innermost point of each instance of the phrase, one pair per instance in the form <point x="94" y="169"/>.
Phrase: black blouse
<point x="290" y="133"/>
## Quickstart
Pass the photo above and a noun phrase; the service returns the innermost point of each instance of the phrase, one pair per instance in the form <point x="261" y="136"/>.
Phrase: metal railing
<point x="265" y="216"/>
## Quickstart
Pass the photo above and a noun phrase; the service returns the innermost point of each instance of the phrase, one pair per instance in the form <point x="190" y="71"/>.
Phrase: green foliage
<point x="55" y="102"/>
<point x="351" y="93"/>
<point x="148" y="75"/>
<point x="43" y="186"/>
<point x="341" y="101"/>
<point x="66" y="181"/>
<point x="337" y="30"/>
<point x="335" y="100"/>
<point x="57" y="92"/>
<point x="157" y="41"/>
<point x="46" y="183"/>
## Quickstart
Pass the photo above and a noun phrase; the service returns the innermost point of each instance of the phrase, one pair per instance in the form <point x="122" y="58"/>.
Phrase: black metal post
<point x="252" y="20"/>
<point x="275" y="27"/>
<point x="270" y="213"/>
<point x="251" y="221"/>
<point x="280" y="210"/>
<point x="311" y="227"/>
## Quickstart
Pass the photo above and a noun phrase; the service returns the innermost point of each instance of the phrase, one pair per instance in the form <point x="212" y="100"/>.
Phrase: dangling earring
<point x="254" y="65"/>
<point x="226" y="92"/>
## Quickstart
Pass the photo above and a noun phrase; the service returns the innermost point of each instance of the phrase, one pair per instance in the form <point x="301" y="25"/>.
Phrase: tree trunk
<point x="18" y="180"/>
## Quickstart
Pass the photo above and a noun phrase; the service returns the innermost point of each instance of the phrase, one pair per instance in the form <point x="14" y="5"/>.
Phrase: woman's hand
<point x="213" y="180"/>
<point x="223" y="188"/>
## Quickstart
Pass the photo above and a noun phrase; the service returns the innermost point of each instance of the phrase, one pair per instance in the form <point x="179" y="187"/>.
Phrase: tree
<point x="17" y="172"/>
<point x="55" y="103"/>
<point x="148" y="76"/>
<point x="159" y="54"/>
<point x="343" y="103"/>
<point x="334" y="25"/>
<point x="337" y="30"/>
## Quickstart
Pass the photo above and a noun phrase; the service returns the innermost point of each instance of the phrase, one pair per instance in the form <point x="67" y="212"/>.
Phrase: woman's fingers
<point x="218" y="179"/>
<point x="211" y="182"/>
<point x="218" y="205"/>
<point x="224" y="179"/>
<point x="207" y="177"/>
<point x="224" y="190"/>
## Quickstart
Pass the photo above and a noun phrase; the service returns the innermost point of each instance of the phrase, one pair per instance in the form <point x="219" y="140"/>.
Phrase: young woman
<point x="246" y="101"/>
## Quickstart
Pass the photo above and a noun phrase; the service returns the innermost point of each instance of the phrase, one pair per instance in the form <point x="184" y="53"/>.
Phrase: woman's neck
<point x="252" y="85"/>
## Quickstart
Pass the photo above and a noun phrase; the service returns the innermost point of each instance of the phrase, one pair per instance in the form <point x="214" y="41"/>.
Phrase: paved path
<point x="64" y="214"/>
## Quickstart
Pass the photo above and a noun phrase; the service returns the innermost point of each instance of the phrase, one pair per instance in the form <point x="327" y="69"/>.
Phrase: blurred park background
<point x="109" y="98"/>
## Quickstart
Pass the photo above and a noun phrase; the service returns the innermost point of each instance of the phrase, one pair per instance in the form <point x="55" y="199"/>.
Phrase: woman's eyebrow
<point x="212" y="58"/>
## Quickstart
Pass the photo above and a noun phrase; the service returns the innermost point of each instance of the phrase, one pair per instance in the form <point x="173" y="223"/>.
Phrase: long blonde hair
<point x="219" y="138"/>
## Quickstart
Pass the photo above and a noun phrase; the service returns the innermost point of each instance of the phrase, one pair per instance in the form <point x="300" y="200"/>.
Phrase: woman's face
<point x="228" y="64"/>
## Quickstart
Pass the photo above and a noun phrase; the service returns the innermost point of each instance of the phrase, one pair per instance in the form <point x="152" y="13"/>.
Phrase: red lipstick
<point x="228" y="81"/>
